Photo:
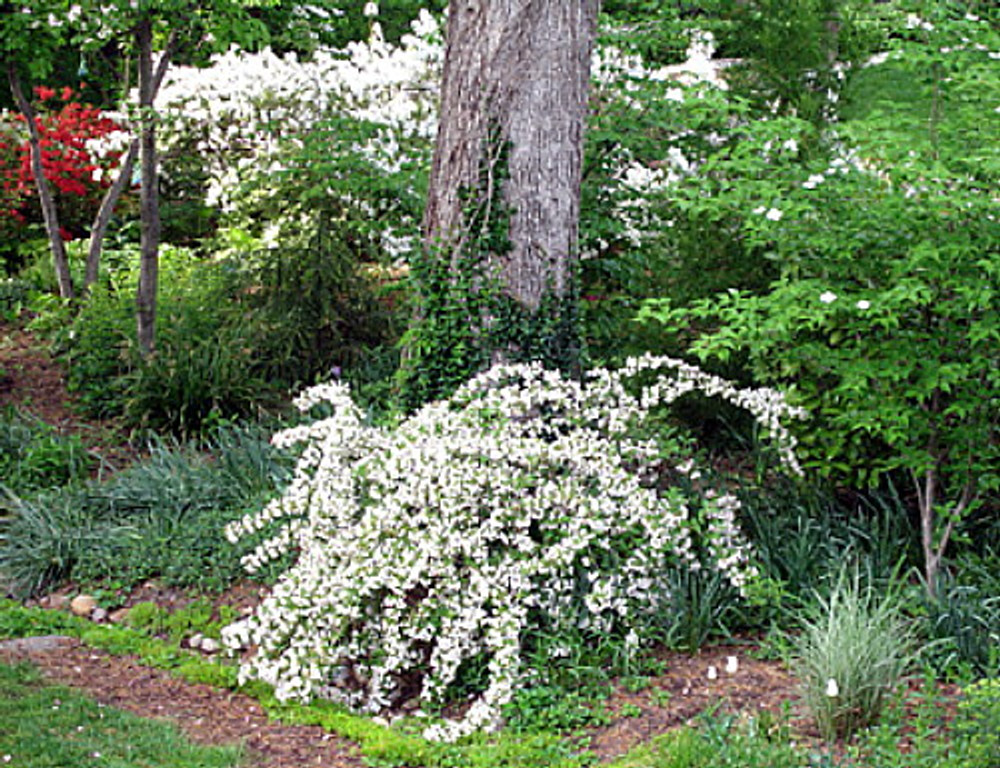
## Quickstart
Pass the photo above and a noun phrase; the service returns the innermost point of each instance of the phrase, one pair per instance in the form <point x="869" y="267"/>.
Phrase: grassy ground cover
<point x="45" y="726"/>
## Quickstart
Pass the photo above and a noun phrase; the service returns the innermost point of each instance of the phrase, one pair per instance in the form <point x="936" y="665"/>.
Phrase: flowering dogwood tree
<point x="883" y="321"/>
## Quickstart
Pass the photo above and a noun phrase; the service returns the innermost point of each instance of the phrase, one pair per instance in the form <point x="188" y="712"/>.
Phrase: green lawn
<point x="44" y="726"/>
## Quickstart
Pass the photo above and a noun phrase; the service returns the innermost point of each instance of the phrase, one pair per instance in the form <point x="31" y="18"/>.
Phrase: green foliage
<point x="148" y="616"/>
<point x="44" y="537"/>
<point x="962" y="618"/>
<point x="29" y="44"/>
<point x="34" y="455"/>
<point x="554" y="709"/>
<point x="718" y="742"/>
<point x="884" y="321"/>
<point x="14" y="296"/>
<point x="160" y="518"/>
<point x="379" y="744"/>
<point x="198" y="616"/>
<point x="789" y="51"/>
<point x="17" y="621"/>
<point x="205" y="368"/>
<point x="43" y="726"/>
<point x="178" y="502"/>
<point x="803" y="535"/>
<point x="918" y="721"/>
<point x="851" y="655"/>
<point x="659" y="31"/>
<point x="308" y="303"/>
<point x="702" y="605"/>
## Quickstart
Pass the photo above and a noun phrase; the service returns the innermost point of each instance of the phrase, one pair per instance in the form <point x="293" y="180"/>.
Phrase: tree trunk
<point x="149" y="202"/>
<point x="516" y="70"/>
<point x="46" y="199"/>
<point x="102" y="220"/>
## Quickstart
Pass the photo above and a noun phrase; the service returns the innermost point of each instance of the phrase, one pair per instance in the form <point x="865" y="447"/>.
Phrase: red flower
<point x="66" y="159"/>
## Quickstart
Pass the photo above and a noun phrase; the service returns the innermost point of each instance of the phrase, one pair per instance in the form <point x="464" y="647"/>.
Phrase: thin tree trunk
<point x="520" y="68"/>
<point x="46" y="199"/>
<point x="102" y="220"/>
<point x="149" y="201"/>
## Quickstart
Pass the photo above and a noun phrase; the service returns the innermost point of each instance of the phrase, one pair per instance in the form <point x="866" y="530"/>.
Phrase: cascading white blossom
<point x="426" y="546"/>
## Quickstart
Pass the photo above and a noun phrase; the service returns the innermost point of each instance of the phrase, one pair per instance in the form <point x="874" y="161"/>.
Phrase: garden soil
<point x="35" y="384"/>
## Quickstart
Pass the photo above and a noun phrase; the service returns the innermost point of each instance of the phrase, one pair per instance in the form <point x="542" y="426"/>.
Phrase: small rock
<point x="118" y="616"/>
<point x="40" y="644"/>
<point x="99" y="615"/>
<point x="210" y="645"/>
<point x="83" y="605"/>
<point x="196" y="640"/>
<point x="58" y="602"/>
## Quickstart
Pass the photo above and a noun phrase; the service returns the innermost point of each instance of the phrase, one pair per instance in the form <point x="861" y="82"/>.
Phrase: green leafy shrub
<point x="852" y="653"/>
<point x="310" y="304"/>
<point x="922" y="731"/>
<point x="34" y="455"/>
<point x="884" y="322"/>
<point x="525" y="504"/>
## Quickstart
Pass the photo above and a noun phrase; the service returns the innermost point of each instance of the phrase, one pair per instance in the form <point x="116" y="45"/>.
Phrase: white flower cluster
<point x="243" y="112"/>
<point x="433" y="544"/>
<point x="247" y="109"/>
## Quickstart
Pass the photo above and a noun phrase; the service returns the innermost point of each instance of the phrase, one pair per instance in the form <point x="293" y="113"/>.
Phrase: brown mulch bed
<point x="684" y="691"/>
<point x="212" y="716"/>
<point x="207" y="715"/>
<point x="31" y="380"/>
<point x="35" y="384"/>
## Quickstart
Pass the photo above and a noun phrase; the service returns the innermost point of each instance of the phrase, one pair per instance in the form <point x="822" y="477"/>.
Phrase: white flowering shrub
<point x="339" y="123"/>
<point x="525" y="499"/>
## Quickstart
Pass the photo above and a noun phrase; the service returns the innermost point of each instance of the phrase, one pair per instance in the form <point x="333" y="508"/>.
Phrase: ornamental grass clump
<point x="525" y="503"/>
<point x="854" y="649"/>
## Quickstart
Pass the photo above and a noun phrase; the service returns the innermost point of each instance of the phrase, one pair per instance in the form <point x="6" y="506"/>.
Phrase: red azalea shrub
<point x="78" y="174"/>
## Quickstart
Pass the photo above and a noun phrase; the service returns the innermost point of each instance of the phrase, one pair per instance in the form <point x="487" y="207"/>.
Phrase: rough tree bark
<point x="520" y="67"/>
